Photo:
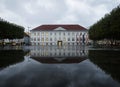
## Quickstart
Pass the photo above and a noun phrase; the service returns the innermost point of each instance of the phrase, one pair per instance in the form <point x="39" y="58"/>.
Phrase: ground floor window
<point x="42" y="43"/>
<point x="46" y="43"/>
<point x="77" y="43"/>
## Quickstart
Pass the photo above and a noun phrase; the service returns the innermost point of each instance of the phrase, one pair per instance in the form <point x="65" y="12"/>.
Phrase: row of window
<point x="33" y="43"/>
<point x="82" y="53"/>
<point x="54" y="33"/>
<point x="51" y="39"/>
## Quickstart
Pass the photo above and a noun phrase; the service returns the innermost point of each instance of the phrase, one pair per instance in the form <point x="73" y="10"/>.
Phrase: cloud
<point x="33" y="13"/>
<point x="86" y="12"/>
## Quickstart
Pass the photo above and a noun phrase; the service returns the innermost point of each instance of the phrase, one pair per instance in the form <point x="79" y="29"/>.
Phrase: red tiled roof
<point x="52" y="27"/>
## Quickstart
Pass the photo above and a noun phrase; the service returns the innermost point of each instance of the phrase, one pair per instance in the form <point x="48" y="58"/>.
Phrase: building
<point x="26" y="39"/>
<point x="59" y="35"/>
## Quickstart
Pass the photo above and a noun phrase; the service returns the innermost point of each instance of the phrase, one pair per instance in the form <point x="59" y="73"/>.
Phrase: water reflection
<point x="10" y="57"/>
<point x="108" y="61"/>
<point x="54" y="54"/>
<point x="39" y="72"/>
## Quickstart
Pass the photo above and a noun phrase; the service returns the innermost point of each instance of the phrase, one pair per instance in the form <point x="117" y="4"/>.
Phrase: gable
<point x="60" y="29"/>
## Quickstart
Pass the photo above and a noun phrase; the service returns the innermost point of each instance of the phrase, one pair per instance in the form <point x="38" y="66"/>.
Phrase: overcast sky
<point x="32" y="13"/>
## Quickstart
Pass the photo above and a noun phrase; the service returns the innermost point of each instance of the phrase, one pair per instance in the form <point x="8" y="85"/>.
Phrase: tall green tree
<point x="107" y="28"/>
<point x="10" y="30"/>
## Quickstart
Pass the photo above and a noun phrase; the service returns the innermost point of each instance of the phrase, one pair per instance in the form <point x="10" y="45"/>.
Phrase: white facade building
<point x="59" y="35"/>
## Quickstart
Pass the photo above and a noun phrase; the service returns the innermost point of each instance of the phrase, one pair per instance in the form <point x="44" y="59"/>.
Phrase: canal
<point x="70" y="66"/>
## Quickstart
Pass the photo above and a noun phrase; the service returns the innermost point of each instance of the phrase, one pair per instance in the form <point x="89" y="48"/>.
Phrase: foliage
<point x="107" y="28"/>
<point x="10" y="30"/>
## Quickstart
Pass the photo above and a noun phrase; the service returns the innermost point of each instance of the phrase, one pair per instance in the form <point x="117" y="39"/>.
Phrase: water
<point x="59" y="67"/>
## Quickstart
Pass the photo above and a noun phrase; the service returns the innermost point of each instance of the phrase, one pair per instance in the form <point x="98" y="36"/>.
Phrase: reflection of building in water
<point x="59" y="54"/>
<point x="72" y="51"/>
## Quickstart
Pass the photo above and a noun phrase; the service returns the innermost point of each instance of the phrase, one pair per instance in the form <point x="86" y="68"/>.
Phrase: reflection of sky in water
<point x="31" y="73"/>
<point x="34" y="73"/>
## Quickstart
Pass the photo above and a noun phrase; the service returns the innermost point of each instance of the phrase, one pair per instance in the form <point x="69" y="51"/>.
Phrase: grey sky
<point x="32" y="13"/>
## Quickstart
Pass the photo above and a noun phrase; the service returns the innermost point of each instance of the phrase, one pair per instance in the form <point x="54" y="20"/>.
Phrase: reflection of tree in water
<point x="107" y="60"/>
<point x="9" y="57"/>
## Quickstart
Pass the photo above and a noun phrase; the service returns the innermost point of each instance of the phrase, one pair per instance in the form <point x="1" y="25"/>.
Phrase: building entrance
<point x="59" y="43"/>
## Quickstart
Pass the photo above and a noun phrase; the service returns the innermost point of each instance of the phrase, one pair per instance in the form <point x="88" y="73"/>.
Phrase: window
<point x="68" y="39"/>
<point x="46" y="39"/>
<point x="42" y="33"/>
<point x="31" y="39"/>
<point x="46" y="33"/>
<point x="38" y="33"/>
<point x="35" y="34"/>
<point x="84" y="33"/>
<point x="68" y="33"/>
<point x="73" y="39"/>
<point x="77" y="33"/>
<point x="34" y="39"/>
<point x="64" y="39"/>
<point x="55" y="54"/>
<point x="38" y="39"/>
<point x="50" y="39"/>
<point x="73" y="33"/>
<point x="59" y="38"/>
<point x="80" y="34"/>
<point x="55" y="39"/>
<point x="42" y="39"/>
<point x="59" y="33"/>
<point x="46" y="43"/>
<point x="64" y="33"/>
<point x="50" y="33"/>
<point x="77" y="39"/>
<point x="59" y="54"/>
<point x="64" y="53"/>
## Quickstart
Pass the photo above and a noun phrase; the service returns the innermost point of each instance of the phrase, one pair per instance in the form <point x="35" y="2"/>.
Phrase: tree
<point x="107" y="28"/>
<point x="10" y="30"/>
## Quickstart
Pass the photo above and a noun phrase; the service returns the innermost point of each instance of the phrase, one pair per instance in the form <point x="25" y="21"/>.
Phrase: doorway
<point x="59" y="43"/>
